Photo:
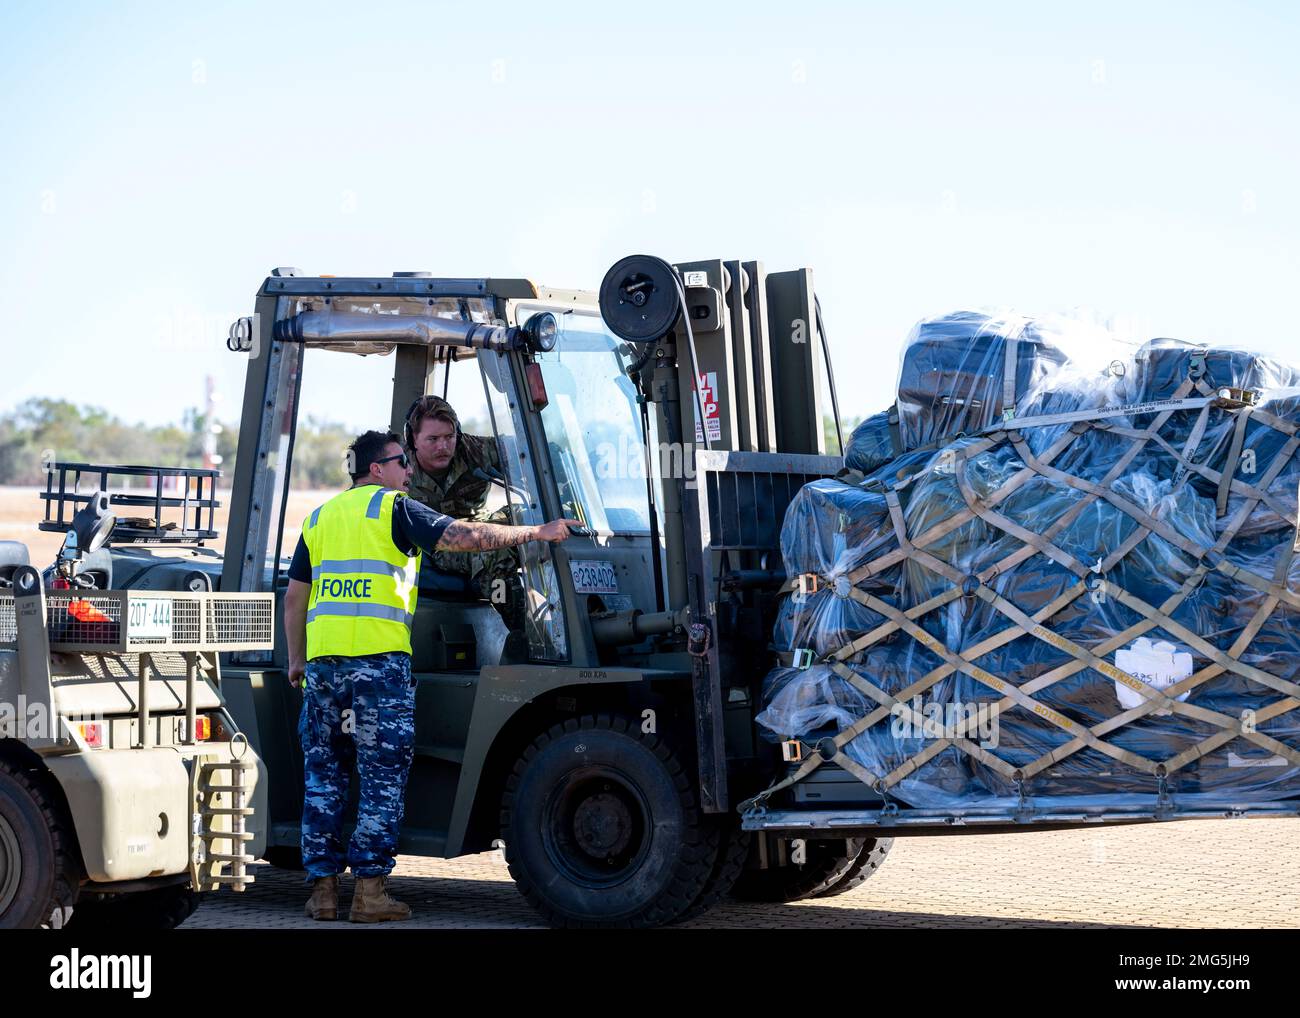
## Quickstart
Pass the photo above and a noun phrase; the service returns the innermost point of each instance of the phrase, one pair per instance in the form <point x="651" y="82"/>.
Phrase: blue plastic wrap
<point x="870" y="445"/>
<point x="954" y="378"/>
<point x="1133" y="525"/>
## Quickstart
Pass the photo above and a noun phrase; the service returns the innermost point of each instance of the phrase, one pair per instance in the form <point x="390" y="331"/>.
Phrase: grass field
<point x="21" y="509"/>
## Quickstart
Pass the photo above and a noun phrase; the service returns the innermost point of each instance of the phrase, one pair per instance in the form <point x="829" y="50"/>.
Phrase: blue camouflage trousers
<point x="362" y="710"/>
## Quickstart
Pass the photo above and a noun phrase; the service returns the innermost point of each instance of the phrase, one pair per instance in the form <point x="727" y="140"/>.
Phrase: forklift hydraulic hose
<point x="700" y="419"/>
<point x="830" y="371"/>
<point x="636" y="366"/>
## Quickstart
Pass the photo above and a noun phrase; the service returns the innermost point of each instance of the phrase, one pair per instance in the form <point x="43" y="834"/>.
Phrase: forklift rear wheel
<point x="37" y="847"/>
<point x="828" y="861"/>
<point x="864" y="867"/>
<point x="602" y="827"/>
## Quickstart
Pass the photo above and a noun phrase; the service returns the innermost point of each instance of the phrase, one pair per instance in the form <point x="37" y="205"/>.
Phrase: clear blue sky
<point x="1140" y="160"/>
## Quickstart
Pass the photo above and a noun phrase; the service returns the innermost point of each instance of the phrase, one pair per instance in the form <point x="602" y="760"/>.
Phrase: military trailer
<point x="126" y="788"/>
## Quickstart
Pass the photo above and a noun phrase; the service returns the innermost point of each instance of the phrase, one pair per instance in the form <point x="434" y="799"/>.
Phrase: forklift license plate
<point x="591" y="577"/>
<point x="149" y="618"/>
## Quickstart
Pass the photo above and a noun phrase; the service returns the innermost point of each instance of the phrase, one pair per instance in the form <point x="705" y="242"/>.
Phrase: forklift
<point x="675" y="413"/>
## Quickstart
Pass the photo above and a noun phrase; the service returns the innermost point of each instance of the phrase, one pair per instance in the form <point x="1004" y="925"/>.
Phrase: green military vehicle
<point x="126" y="788"/>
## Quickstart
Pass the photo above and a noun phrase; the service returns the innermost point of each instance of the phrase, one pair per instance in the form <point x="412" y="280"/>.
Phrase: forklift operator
<point x="451" y="473"/>
<point x="348" y="608"/>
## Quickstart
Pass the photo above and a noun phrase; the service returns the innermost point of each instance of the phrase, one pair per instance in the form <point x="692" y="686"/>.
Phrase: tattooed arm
<point x="415" y="525"/>
<point x="463" y="535"/>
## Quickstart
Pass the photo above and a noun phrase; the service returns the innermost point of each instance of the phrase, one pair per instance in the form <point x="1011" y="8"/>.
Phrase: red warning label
<point x="709" y="402"/>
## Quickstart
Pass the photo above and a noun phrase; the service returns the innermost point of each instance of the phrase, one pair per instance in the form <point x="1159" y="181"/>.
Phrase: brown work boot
<point x="324" y="901"/>
<point x="371" y="903"/>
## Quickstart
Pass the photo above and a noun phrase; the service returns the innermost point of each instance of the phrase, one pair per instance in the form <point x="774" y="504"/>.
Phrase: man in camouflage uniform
<point x="356" y="710"/>
<point x="450" y="474"/>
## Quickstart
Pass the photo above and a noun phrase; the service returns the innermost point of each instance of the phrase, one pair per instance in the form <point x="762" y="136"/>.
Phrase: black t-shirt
<point x="415" y="525"/>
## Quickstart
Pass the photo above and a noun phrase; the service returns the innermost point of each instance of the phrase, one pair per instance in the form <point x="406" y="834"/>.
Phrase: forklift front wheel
<point x="864" y="867"/>
<point x="828" y="861"/>
<point x="38" y="877"/>
<point x="602" y="827"/>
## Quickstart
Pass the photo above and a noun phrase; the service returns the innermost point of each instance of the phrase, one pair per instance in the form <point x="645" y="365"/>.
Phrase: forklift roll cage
<point x="666" y="571"/>
<point x="723" y="516"/>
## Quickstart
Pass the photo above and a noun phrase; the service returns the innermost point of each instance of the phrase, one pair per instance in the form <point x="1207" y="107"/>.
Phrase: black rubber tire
<point x="286" y="857"/>
<point x="829" y="859"/>
<point x="598" y="784"/>
<point x="733" y="853"/>
<point x="39" y="865"/>
<point x="864" y="867"/>
<point x="163" y="908"/>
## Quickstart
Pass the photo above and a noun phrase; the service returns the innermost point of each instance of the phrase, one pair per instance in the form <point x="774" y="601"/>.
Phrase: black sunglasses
<point x="401" y="458"/>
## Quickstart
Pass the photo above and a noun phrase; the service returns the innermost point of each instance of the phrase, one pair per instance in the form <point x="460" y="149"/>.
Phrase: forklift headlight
<point x="542" y="330"/>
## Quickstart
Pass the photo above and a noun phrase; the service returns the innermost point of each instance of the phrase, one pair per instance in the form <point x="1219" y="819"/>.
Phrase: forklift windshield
<point x="593" y="428"/>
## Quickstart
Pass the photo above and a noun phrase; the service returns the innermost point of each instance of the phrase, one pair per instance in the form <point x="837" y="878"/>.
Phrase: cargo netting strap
<point x="895" y="432"/>
<point x="1090" y="579"/>
<point x="1011" y="363"/>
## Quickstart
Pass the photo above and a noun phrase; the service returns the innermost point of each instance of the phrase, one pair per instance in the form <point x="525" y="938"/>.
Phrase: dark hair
<point x="365" y="449"/>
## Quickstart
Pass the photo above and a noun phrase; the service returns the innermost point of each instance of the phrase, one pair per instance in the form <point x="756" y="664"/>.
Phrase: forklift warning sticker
<point x="709" y="401"/>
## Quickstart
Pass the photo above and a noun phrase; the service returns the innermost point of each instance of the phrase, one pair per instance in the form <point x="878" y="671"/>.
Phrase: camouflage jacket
<point x="460" y="494"/>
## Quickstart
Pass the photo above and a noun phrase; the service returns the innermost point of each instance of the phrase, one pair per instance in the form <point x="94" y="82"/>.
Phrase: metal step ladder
<point x="214" y="783"/>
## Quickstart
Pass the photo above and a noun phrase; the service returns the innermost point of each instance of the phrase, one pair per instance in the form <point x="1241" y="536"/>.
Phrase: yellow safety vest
<point x="363" y="587"/>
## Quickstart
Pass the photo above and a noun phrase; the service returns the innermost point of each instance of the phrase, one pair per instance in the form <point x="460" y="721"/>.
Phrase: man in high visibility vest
<point x="347" y="619"/>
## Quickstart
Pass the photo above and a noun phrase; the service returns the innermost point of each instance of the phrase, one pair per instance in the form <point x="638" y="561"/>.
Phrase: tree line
<point x="41" y="428"/>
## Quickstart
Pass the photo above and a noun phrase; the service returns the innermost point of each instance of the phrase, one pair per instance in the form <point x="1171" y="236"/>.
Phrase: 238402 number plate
<point x="593" y="577"/>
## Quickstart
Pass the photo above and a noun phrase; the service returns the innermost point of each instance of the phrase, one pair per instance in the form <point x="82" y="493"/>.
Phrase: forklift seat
<point x="12" y="555"/>
<point x="444" y="586"/>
